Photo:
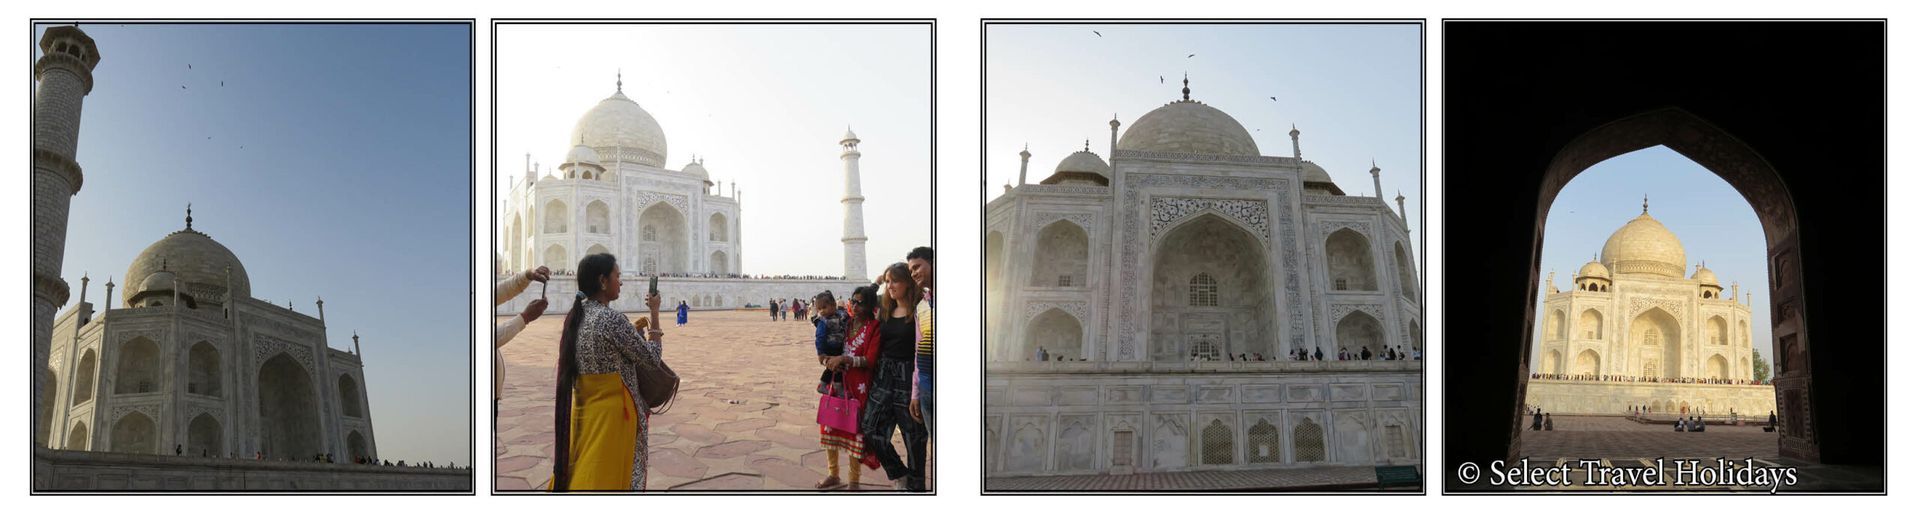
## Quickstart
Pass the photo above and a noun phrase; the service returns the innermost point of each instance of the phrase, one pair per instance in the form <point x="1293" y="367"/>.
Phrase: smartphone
<point x="653" y="285"/>
<point x="543" y="290"/>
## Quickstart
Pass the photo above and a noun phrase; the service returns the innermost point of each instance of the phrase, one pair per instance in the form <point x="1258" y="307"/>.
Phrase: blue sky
<point x="1353" y="90"/>
<point x="1714" y="224"/>
<point x="765" y="106"/>
<point x="335" y="161"/>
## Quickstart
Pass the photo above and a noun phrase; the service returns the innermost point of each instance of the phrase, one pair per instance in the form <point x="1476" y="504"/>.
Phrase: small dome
<point x="1310" y="172"/>
<point x="849" y="136"/>
<point x="1645" y="245"/>
<point x="1189" y="127"/>
<point x="197" y="261"/>
<point x="619" y="123"/>
<point x="159" y="281"/>
<point x="581" y="154"/>
<point x="696" y="169"/>
<point x="1084" y="162"/>
<point x="1594" y="269"/>
<point x="1705" y="277"/>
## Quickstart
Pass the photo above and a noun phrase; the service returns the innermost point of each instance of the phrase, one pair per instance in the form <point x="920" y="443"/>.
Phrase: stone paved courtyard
<point x="1577" y="437"/>
<point x="1326" y="478"/>
<point x="744" y="419"/>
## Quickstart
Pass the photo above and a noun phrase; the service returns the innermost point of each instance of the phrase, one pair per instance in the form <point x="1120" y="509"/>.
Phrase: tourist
<point x="505" y="331"/>
<point x="1536" y="420"/>
<point x="920" y="266"/>
<point x="892" y="388"/>
<point x="1416" y="353"/>
<point x="680" y="317"/>
<point x="773" y="309"/>
<point x="1317" y="355"/>
<point x="829" y="339"/>
<point x="855" y="362"/>
<point x="1366" y="354"/>
<point x="603" y="443"/>
<point x="1549" y="424"/>
<point x="1343" y="353"/>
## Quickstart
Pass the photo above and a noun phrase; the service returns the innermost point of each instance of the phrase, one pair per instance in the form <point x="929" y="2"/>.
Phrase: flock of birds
<point x="222" y="83"/>
<point x="1163" y="78"/>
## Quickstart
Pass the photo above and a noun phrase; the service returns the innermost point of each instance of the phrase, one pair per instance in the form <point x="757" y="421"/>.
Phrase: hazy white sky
<point x="1353" y="90"/>
<point x="763" y="105"/>
<point x="1714" y="223"/>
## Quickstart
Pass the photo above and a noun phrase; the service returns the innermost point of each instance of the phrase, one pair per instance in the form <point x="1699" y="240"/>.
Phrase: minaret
<point x="62" y="78"/>
<point x="321" y="306"/>
<point x="1113" y="138"/>
<point x="1295" y="133"/>
<point x="1376" y="182"/>
<point x="854" y="233"/>
<point x="356" y="343"/>
<point x="1024" y="155"/>
<point x="1402" y="199"/>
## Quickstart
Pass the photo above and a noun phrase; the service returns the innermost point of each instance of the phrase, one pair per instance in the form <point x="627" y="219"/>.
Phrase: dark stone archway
<point x="1529" y="106"/>
<point x="289" y="414"/>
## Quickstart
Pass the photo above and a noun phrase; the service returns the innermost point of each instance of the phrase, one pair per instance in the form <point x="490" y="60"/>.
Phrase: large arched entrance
<point x="289" y="418"/>
<point x="1212" y="293"/>
<point x="1654" y="336"/>
<point x="139" y="368"/>
<point x="663" y="231"/>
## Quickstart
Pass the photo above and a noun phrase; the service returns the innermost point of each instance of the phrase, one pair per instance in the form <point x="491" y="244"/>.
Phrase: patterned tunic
<point x="608" y="343"/>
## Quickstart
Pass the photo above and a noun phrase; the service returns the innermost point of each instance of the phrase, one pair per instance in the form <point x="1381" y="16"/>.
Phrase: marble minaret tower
<point x="62" y="78"/>
<point x="853" y="234"/>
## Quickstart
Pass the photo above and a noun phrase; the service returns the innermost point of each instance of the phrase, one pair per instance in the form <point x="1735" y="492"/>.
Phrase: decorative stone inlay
<point x="1329" y="227"/>
<point x="264" y="346"/>
<point x="1064" y="189"/>
<point x="1134" y="247"/>
<point x="151" y="409"/>
<point x="1261" y="160"/>
<point x="1342" y="201"/>
<point x="1042" y="219"/>
<point x="151" y="335"/>
<point x="1340" y="310"/>
<point x="1168" y="212"/>
<point x="1639" y="304"/>
<point x="1079" y="310"/>
<point x="644" y="199"/>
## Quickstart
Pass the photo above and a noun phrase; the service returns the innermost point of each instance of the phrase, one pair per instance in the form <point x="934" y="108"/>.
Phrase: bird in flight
<point x="1274" y="99"/>
<point x="1190" y="56"/>
<point x="223" y="83"/>
<point x="189" y="66"/>
<point x="1163" y="79"/>
<point x="1097" y="34"/>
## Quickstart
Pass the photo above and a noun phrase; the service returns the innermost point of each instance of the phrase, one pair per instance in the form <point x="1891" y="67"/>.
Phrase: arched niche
<point x="204" y="437"/>
<point x="139" y="368"/>
<point x="1057" y="332"/>
<point x="556" y="217"/>
<point x="669" y="245"/>
<point x="289" y="416"/>
<point x="1232" y="309"/>
<point x="599" y="218"/>
<point x="135" y="433"/>
<point x="1060" y="256"/>
<point x="203" y="370"/>
<point x="1350" y="262"/>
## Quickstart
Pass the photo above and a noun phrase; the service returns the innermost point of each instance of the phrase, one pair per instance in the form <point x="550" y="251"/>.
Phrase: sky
<point x="1714" y="223"/>
<point x="334" y="160"/>
<point x="1353" y="91"/>
<point x="764" y="106"/>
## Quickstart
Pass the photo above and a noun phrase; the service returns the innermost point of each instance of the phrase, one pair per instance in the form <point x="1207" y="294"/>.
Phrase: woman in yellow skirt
<point x="600" y="421"/>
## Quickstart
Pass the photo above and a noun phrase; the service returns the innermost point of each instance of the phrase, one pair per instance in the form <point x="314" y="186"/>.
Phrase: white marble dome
<point x="1705" y="276"/>
<point x="619" y="123"/>
<point x="1189" y="127"/>
<point x="199" y="262"/>
<point x="1594" y="269"/>
<point x="696" y="169"/>
<point x="1310" y="172"/>
<point x="1084" y="162"/>
<point x="582" y="154"/>
<point x="1645" y="245"/>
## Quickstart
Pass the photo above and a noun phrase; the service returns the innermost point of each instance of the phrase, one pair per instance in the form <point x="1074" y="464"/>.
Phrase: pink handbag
<point x="839" y="412"/>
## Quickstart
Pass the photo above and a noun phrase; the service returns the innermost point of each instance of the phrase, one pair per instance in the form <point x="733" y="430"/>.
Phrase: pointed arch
<point x="557" y="217"/>
<point x="350" y="397"/>
<point x="556" y="258"/>
<point x="203" y="370"/>
<point x="1058" y="332"/>
<point x="1592" y="324"/>
<point x="1060" y="256"/>
<point x="1358" y="330"/>
<point x="717" y="262"/>
<point x="78" y="438"/>
<point x="139" y="367"/>
<point x="84" y="378"/>
<point x="1237" y="314"/>
<point x="289" y="410"/>
<point x="1409" y="286"/>
<point x="1587" y="364"/>
<point x="204" y="436"/>
<point x="599" y="218"/>
<point x="135" y="433"/>
<point x="1350" y="262"/>
<point x="717" y="227"/>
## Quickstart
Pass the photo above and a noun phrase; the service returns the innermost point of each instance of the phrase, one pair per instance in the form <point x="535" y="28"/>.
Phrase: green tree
<point x="1761" y="371"/>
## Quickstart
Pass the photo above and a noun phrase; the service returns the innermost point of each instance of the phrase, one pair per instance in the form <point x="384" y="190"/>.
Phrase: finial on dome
<point x="1086" y="145"/>
<point x="1184" y="92"/>
<point x="189" y="215"/>
<point x="1643" y="204"/>
<point x="618" y="81"/>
